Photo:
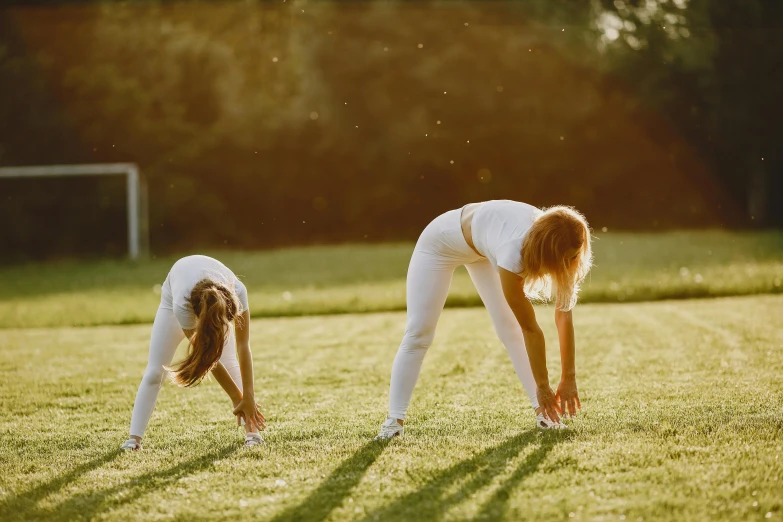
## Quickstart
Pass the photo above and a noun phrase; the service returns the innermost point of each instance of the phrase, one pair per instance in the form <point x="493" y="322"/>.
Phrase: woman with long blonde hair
<point x="514" y="253"/>
<point x="203" y="300"/>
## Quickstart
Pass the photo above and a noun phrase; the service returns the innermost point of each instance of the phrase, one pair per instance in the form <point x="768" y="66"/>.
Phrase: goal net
<point x="136" y="191"/>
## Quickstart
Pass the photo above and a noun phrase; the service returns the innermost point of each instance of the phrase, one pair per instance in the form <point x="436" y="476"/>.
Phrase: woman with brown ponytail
<point x="203" y="300"/>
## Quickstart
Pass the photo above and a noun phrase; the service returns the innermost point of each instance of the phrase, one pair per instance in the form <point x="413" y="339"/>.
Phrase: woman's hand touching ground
<point x="250" y="411"/>
<point x="547" y="403"/>
<point x="568" y="397"/>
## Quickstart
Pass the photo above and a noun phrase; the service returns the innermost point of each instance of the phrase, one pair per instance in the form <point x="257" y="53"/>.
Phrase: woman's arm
<point x="565" y="333"/>
<point x="247" y="407"/>
<point x="223" y="378"/>
<point x="244" y="356"/>
<point x="567" y="393"/>
<point x="514" y="292"/>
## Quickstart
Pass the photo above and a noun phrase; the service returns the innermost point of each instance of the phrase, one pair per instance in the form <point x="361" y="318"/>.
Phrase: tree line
<point x="260" y="124"/>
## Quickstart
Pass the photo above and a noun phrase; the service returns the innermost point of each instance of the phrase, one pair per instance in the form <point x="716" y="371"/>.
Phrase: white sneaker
<point x="546" y="424"/>
<point x="253" y="439"/>
<point x="130" y="445"/>
<point x="389" y="429"/>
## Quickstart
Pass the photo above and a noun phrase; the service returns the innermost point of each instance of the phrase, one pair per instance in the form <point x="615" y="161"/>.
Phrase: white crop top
<point x="499" y="228"/>
<point x="184" y="275"/>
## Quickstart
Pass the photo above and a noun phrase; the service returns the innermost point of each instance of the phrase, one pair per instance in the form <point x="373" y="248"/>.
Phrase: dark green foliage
<point x="661" y="135"/>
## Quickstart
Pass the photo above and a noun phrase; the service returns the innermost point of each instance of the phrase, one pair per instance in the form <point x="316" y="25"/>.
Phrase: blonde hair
<point x="547" y="272"/>
<point x="216" y="305"/>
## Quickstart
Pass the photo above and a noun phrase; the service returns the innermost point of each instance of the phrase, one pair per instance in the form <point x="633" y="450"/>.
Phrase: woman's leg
<point x="487" y="282"/>
<point x="166" y="336"/>
<point x="429" y="279"/>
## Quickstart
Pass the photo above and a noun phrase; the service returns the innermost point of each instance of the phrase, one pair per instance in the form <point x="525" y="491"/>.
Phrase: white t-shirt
<point x="184" y="275"/>
<point x="499" y="228"/>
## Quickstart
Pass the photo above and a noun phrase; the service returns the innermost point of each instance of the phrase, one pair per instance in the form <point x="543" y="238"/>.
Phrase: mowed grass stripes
<point x="371" y="278"/>
<point x="682" y="420"/>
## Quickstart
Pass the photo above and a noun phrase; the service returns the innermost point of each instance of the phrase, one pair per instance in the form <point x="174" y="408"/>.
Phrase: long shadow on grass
<point x="430" y="502"/>
<point x="495" y="508"/>
<point x="332" y="491"/>
<point x="19" y="505"/>
<point x="88" y="505"/>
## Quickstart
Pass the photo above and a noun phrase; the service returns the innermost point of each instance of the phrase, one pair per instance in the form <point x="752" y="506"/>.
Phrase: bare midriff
<point x="466" y="220"/>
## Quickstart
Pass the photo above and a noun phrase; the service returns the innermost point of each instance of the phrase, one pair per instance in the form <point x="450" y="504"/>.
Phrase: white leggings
<point x="441" y="248"/>
<point x="166" y="336"/>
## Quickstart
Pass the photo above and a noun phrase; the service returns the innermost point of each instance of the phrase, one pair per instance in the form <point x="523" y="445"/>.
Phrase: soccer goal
<point x="138" y="224"/>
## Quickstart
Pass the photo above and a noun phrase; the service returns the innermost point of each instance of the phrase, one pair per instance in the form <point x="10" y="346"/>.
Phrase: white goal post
<point x="138" y="223"/>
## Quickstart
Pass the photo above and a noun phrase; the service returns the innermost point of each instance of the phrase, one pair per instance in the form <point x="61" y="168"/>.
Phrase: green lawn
<point x="367" y="278"/>
<point x="683" y="418"/>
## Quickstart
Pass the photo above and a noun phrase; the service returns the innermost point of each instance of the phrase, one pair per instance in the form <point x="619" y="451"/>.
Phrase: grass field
<point x="352" y="279"/>
<point x="683" y="420"/>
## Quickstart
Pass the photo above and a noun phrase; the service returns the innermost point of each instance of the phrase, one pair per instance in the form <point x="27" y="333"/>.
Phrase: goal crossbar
<point x="138" y="224"/>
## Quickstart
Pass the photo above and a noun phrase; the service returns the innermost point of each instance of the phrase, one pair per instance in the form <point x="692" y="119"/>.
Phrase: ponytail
<point x="216" y="305"/>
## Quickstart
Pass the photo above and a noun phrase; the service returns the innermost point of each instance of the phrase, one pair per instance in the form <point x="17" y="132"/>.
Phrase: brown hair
<point x="216" y="305"/>
<point x="548" y="273"/>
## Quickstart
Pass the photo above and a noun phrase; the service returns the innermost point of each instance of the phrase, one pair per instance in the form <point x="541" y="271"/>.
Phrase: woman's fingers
<point x="261" y="418"/>
<point x="551" y="410"/>
<point x="254" y="419"/>
<point x="563" y="404"/>
<point x="548" y="402"/>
